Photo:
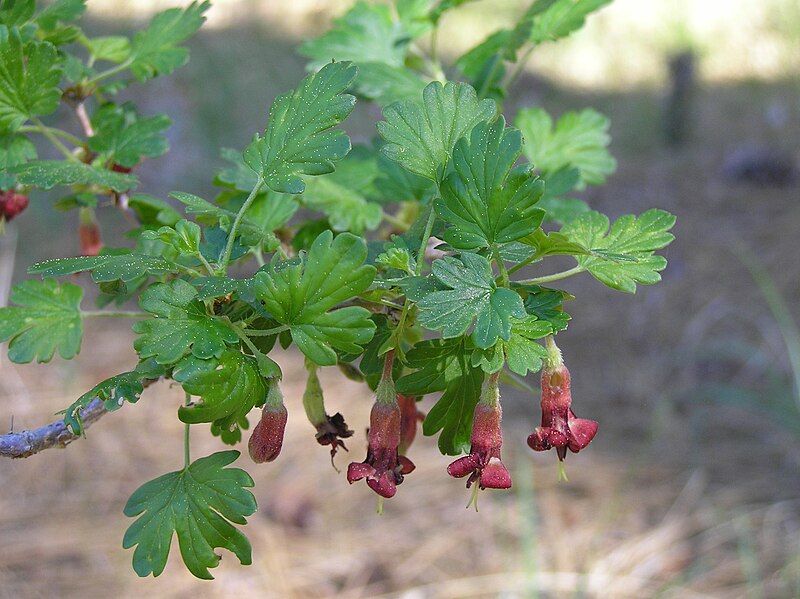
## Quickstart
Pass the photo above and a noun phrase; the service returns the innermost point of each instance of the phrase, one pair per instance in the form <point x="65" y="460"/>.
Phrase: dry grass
<point x="620" y="528"/>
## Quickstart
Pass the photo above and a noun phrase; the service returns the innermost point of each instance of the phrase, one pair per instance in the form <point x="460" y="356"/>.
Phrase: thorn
<point x="11" y="429"/>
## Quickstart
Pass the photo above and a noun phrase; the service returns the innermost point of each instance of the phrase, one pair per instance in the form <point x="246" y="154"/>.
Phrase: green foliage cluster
<point x="413" y="242"/>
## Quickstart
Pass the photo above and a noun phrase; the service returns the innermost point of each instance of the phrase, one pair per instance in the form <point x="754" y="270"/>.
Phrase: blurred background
<point x="692" y="486"/>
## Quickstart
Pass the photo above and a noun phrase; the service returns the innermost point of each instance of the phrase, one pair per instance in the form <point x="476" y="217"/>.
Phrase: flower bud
<point x="12" y="204"/>
<point x="267" y="437"/>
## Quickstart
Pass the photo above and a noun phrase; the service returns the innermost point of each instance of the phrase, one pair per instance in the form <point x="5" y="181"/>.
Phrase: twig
<point x="56" y="434"/>
<point x="83" y="119"/>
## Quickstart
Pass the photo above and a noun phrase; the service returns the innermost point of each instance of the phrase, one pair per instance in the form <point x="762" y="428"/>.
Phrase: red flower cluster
<point x="393" y="426"/>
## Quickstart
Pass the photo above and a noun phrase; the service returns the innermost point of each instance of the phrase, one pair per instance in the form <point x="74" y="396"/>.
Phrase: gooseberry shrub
<point x="405" y="269"/>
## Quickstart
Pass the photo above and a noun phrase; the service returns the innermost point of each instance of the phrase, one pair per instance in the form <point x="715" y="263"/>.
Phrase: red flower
<point x="483" y="464"/>
<point x="12" y="203"/>
<point x="560" y="427"/>
<point x="267" y="438"/>
<point x="384" y="467"/>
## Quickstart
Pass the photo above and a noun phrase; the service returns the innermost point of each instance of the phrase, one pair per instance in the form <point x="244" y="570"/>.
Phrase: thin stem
<point x="501" y="265"/>
<point x="259" y="255"/>
<point x="189" y="270"/>
<point x="83" y="119"/>
<point x="484" y="88"/>
<point x="554" y="277"/>
<point x="246" y="340"/>
<point x="187" y="456"/>
<point x="45" y="130"/>
<point x="519" y="266"/>
<point x="226" y="256"/>
<point x="521" y="64"/>
<point x="111" y="72"/>
<point x="423" y="246"/>
<point x="206" y="264"/>
<point x="117" y="314"/>
<point x="73" y="139"/>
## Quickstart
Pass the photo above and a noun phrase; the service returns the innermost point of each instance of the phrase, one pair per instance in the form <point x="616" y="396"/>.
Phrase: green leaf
<point x="485" y="206"/>
<point x="125" y="138"/>
<point x="113" y="48"/>
<point x="14" y="150"/>
<point x="346" y="209"/>
<point x="46" y="318"/>
<point x="268" y="212"/>
<point x="444" y="365"/>
<point x="366" y="33"/>
<point x="562" y="17"/>
<point x="198" y="504"/>
<point x="29" y="77"/>
<point x="16" y="12"/>
<point x="579" y="140"/>
<point x="400" y="185"/>
<point x="62" y="11"/>
<point x="553" y="244"/>
<point x="437" y="362"/>
<point x="547" y="305"/>
<point x="156" y="50"/>
<point x="184" y="237"/>
<point x="371" y="38"/>
<point x="228" y="391"/>
<point x="624" y="255"/>
<point x="385" y="83"/>
<point x="469" y="294"/>
<point x="484" y="64"/>
<point x="121" y="265"/>
<point x="302" y="295"/>
<point x="443" y="6"/>
<point x="152" y="211"/>
<point x="420" y="135"/>
<point x="300" y="138"/>
<point x="46" y="174"/>
<point x="522" y="352"/>
<point x="180" y="325"/>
